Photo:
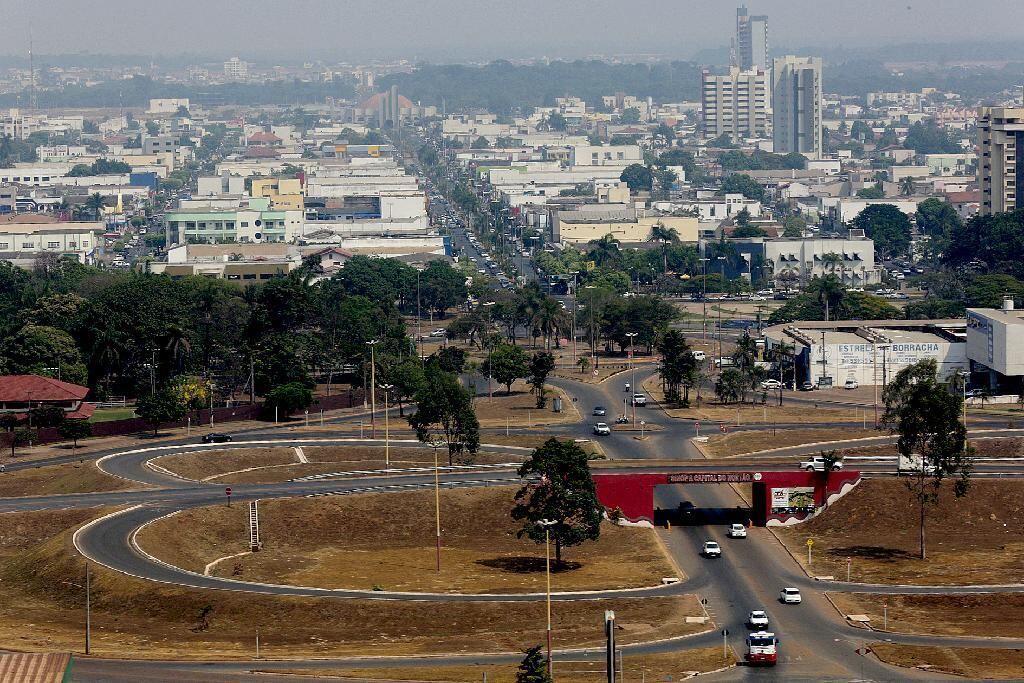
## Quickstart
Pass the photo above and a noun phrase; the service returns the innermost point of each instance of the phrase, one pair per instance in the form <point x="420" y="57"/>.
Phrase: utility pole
<point x="373" y="388"/>
<point x="609" y="632"/>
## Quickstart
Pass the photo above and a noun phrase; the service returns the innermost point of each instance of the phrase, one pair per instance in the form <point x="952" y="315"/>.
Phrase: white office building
<point x="735" y="104"/>
<point x="796" y="106"/>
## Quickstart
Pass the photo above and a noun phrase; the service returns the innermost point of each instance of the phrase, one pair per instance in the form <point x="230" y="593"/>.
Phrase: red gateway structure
<point x="778" y="497"/>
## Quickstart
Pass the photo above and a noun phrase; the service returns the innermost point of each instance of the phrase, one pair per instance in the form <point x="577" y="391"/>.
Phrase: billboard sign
<point x="792" y="499"/>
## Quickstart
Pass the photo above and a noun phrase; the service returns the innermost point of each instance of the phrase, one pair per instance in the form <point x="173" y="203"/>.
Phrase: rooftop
<point x="24" y="388"/>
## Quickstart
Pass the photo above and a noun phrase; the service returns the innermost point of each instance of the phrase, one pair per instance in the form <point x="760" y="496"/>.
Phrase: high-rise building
<point x="796" y="105"/>
<point x="751" y="40"/>
<point x="1001" y="159"/>
<point x="735" y="103"/>
<point x="236" y="69"/>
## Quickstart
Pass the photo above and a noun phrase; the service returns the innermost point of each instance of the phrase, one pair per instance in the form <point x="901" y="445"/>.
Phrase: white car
<point x="817" y="464"/>
<point x="790" y="596"/>
<point x="737" y="531"/>
<point x="851" y="384"/>
<point x="639" y="400"/>
<point x="700" y="355"/>
<point x="757" y="619"/>
<point x="439" y="332"/>
<point x="602" y="429"/>
<point x="771" y="384"/>
<point x="711" y="549"/>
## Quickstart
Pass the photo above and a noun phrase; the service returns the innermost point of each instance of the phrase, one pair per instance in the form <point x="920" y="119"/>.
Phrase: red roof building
<point x="21" y="393"/>
<point x="264" y="138"/>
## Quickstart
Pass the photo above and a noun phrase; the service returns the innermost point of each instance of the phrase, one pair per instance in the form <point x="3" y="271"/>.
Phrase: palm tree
<point x="95" y="202"/>
<point x="106" y="353"/>
<point x="828" y="290"/>
<point x="907" y="186"/>
<point x="605" y="250"/>
<point x="177" y="345"/>
<point x="665" y="235"/>
<point x="548" y="319"/>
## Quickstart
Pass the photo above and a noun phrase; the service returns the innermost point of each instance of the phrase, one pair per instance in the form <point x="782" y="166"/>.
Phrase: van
<point x="913" y="464"/>
<point x="700" y="355"/>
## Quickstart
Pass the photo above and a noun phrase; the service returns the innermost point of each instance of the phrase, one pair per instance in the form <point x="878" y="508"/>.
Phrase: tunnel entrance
<point x="699" y="506"/>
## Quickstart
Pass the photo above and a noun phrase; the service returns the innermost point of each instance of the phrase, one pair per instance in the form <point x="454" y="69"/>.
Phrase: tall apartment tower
<point x="1001" y="162"/>
<point x="796" y="102"/>
<point x="735" y="103"/>
<point x="751" y="40"/>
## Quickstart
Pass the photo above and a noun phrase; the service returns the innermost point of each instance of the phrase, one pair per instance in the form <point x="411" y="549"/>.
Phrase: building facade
<point x="796" y="102"/>
<point x="751" y="40"/>
<point x="735" y="104"/>
<point x="1001" y="162"/>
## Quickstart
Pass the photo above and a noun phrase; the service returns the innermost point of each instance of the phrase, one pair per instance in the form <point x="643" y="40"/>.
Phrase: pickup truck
<point x="913" y="464"/>
<point x="817" y="464"/>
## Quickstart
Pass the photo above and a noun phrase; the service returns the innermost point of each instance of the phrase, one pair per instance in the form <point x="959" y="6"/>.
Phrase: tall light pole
<point x="632" y="374"/>
<point x="546" y="524"/>
<point x="436" y="443"/>
<point x="373" y="387"/>
<point x="419" y="317"/>
<point x="722" y="260"/>
<point x="704" y="298"/>
<point x="387" y="441"/>
<point x="593" y="348"/>
<point x="575" y="279"/>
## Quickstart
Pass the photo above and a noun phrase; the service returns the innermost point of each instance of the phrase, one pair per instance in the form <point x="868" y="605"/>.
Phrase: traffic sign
<point x="227" y="491"/>
<point x="696" y="424"/>
<point x="810" y="541"/>
<point x="725" y="631"/>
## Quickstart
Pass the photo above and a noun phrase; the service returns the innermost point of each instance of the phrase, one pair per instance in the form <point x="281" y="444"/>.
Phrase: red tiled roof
<point x="21" y="388"/>
<point x="963" y="197"/>
<point x="262" y="152"/>
<point x="263" y="138"/>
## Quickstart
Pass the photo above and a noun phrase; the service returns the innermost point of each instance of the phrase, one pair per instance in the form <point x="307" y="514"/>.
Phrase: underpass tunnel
<point x="700" y="505"/>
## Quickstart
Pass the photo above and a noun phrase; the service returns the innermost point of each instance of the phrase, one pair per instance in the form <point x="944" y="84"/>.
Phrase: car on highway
<point x="757" y="619"/>
<point x="790" y="596"/>
<point x="599" y="411"/>
<point x="711" y="549"/>
<point x="216" y="437"/>
<point x="771" y="384"/>
<point x="639" y="399"/>
<point x="737" y="531"/>
<point x="439" y="332"/>
<point x="850" y="384"/>
<point x="817" y="464"/>
<point x="602" y="429"/>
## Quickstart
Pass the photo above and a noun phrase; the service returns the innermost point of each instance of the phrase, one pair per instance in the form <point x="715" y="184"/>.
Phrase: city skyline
<point x="440" y="30"/>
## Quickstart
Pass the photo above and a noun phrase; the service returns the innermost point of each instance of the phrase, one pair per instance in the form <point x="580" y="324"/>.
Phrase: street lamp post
<point x="437" y="504"/>
<point x="722" y="259"/>
<point x="704" y="298"/>
<point x="593" y="348"/>
<point x="373" y="387"/>
<point x="387" y="440"/>
<point x="546" y="524"/>
<point x="632" y="374"/>
<point x="575" y="280"/>
<point x="490" y="347"/>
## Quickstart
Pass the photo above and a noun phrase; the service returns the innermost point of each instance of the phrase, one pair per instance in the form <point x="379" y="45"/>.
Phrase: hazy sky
<point x="462" y="29"/>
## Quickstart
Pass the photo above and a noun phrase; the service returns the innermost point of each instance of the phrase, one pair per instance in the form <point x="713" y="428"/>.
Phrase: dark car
<point x="216" y="438"/>
<point x="808" y="386"/>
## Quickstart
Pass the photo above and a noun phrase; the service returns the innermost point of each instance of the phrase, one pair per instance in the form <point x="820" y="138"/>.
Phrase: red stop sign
<point x="227" y="491"/>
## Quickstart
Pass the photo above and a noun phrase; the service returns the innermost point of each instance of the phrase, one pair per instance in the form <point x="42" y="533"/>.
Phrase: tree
<point x="451" y="359"/>
<point x="533" y="668"/>
<point x="930" y="139"/>
<point x="541" y="365"/>
<point x="556" y="121"/>
<point x="480" y="143"/>
<point x="630" y="115"/>
<point x="75" y="430"/>
<point x="871" y="192"/>
<point x="794" y="226"/>
<point x="926" y="416"/>
<point x="730" y="386"/>
<point x="887" y="226"/>
<point x="937" y="218"/>
<point x="638" y="177"/>
<point x="444" y="410"/>
<point x="565" y="495"/>
<point x="289" y="398"/>
<point x="741" y="183"/>
<point x="748" y="230"/>
<point x="665" y="235"/>
<point x="506" y="363"/>
<point x="95" y="204"/>
<point x="860" y="130"/>
<point x="907" y="186"/>
<point x="163" y="406"/>
<point x="46" y="416"/>
<point x="678" y="366"/>
<point x="441" y="287"/>
<point x="25" y="436"/>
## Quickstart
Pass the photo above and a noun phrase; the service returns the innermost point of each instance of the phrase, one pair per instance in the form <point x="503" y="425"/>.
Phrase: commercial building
<point x="796" y="106"/>
<point x="751" y="40"/>
<point x="244" y="263"/>
<point x="792" y="262"/>
<point x="167" y="105"/>
<point x="626" y="224"/>
<point x="735" y="103"/>
<point x="220" y="185"/>
<point x="605" y="155"/>
<point x="236" y="70"/>
<point x="869" y="352"/>
<point x="1001" y="162"/>
<point x="995" y="345"/>
<point x="21" y="243"/>
<point x="255" y="223"/>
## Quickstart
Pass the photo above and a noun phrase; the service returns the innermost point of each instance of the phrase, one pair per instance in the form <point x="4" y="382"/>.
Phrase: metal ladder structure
<point x="254" y="526"/>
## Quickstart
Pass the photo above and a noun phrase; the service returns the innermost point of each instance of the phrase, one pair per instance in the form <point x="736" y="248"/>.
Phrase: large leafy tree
<point x="993" y="244"/>
<point x="541" y="365"/>
<point x="937" y="218"/>
<point x="887" y="226"/>
<point x="678" y="366"/>
<point x="289" y="398"/>
<point x="926" y="415"/>
<point x="161" y="407"/>
<point x="442" y="287"/>
<point x="741" y="183"/>
<point x="564" y="494"/>
<point x="42" y="350"/>
<point x="638" y="177"/>
<point x="444" y="413"/>
<point x="506" y="363"/>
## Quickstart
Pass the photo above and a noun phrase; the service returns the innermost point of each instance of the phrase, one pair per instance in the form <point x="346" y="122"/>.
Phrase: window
<point x="5" y="245"/>
<point x="249" y="276"/>
<point x="72" y="245"/>
<point x="26" y="245"/>
<point x="53" y="245"/>
<point x="245" y="224"/>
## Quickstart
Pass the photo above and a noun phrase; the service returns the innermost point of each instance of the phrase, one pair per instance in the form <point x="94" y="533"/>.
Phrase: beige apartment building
<point x="1001" y="158"/>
